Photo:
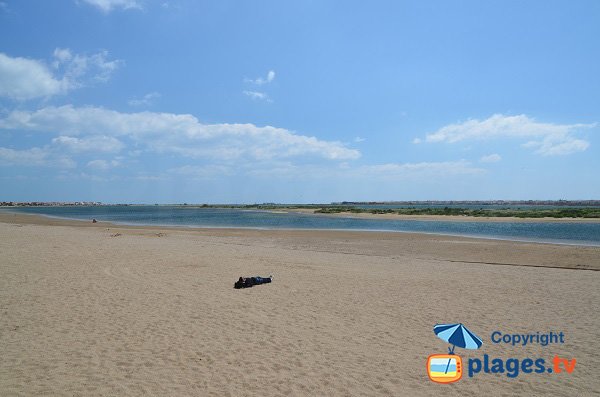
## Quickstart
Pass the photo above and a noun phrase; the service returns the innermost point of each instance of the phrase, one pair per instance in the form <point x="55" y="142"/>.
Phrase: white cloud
<point x="178" y="133"/>
<point x="257" y="95"/>
<point x="80" y="67"/>
<point x="107" y="6"/>
<point x="103" y="165"/>
<point x="558" y="146"/>
<point x="548" y="138"/>
<point x="61" y="55"/>
<point x="359" y="139"/>
<point x="23" y="78"/>
<point x="34" y="157"/>
<point x="491" y="158"/>
<point x="98" y="143"/>
<point x="262" y="80"/>
<point x="146" y="100"/>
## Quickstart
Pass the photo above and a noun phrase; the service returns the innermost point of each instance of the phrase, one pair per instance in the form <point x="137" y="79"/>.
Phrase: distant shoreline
<point x="561" y="214"/>
<point x="356" y="215"/>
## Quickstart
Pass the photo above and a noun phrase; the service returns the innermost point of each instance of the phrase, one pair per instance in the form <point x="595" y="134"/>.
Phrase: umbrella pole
<point x="450" y="351"/>
<point x="448" y="366"/>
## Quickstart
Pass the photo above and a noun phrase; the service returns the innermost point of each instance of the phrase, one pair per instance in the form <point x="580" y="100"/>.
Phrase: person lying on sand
<point x="247" y="282"/>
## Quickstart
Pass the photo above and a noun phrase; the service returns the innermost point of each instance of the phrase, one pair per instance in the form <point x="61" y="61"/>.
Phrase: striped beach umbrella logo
<point x="457" y="335"/>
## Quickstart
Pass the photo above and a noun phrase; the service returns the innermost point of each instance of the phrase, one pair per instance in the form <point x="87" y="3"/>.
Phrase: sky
<point x="172" y="101"/>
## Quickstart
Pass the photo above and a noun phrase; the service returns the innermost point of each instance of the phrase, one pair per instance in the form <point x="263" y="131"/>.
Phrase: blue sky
<point x="306" y="101"/>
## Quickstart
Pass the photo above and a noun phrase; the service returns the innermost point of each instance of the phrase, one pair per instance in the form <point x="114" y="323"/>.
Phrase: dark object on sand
<point x="94" y="220"/>
<point x="247" y="282"/>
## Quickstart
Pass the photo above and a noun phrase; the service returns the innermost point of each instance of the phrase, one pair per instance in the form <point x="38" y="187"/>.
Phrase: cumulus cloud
<point x="178" y="133"/>
<point x="146" y="100"/>
<point x="491" y="158"/>
<point x="547" y="139"/>
<point x="204" y="150"/>
<point x="24" y="78"/>
<point x="107" y="6"/>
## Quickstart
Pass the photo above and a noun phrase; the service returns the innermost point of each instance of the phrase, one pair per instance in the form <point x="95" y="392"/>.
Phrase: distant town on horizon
<point x="339" y="203"/>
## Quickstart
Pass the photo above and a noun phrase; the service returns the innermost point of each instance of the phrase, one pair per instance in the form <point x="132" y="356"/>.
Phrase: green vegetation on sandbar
<point x="585" y="212"/>
<point x="517" y="213"/>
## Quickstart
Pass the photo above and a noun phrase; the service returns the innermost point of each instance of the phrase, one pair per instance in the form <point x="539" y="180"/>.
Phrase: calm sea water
<point x="566" y="233"/>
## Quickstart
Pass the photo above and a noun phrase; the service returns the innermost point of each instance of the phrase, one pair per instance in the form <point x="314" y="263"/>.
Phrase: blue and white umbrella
<point x="457" y="335"/>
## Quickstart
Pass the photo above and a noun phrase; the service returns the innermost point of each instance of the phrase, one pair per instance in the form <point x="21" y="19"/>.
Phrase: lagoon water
<point x="581" y="233"/>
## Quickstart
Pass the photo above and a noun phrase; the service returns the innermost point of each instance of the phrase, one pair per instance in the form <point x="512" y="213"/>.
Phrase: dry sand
<point x="96" y="309"/>
<point x="447" y="218"/>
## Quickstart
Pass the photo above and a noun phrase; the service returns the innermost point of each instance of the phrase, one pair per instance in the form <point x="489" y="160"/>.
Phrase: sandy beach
<point x="447" y="218"/>
<point x="98" y="309"/>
